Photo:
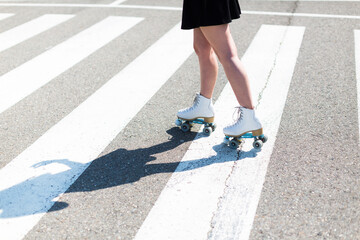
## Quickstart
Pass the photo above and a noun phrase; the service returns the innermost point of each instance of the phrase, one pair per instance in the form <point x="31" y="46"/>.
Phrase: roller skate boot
<point x="201" y="112"/>
<point x="247" y="125"/>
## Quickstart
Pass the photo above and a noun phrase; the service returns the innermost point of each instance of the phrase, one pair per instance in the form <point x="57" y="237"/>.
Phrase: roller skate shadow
<point x="248" y="154"/>
<point x="222" y="154"/>
<point x="23" y="197"/>
<point x="114" y="169"/>
<point x="124" y="166"/>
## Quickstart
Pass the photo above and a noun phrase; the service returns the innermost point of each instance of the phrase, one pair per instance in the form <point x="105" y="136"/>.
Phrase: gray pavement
<point x="312" y="188"/>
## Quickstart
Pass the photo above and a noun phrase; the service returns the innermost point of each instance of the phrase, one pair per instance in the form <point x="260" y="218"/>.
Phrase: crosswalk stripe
<point x="30" y="182"/>
<point x="148" y="7"/>
<point x="117" y="2"/>
<point x="25" y="79"/>
<point x="23" y="32"/>
<point x="357" y="66"/>
<point x="316" y="0"/>
<point x="310" y="15"/>
<point x="5" y="15"/>
<point x="248" y="174"/>
<point x="80" y="5"/>
<point x="210" y="195"/>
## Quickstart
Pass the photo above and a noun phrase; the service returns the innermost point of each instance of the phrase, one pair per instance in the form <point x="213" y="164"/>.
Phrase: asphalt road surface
<point x="89" y="92"/>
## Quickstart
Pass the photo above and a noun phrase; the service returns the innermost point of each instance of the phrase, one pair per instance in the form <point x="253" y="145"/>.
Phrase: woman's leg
<point x="220" y="39"/>
<point x="208" y="63"/>
<point x="202" y="106"/>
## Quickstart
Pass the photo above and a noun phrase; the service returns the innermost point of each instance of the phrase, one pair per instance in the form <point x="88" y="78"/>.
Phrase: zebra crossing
<point x="21" y="33"/>
<point x="33" y="181"/>
<point x="277" y="47"/>
<point x="62" y="57"/>
<point x="88" y="120"/>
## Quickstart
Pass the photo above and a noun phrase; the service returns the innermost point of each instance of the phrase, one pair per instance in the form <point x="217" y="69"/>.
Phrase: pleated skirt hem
<point x="202" y="13"/>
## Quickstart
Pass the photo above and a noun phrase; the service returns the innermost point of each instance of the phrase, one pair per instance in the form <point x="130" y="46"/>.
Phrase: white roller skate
<point x="247" y="125"/>
<point x="201" y="112"/>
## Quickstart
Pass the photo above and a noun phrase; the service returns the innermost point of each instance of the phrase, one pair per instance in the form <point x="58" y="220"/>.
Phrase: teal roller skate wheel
<point x="257" y="144"/>
<point x="226" y="140"/>
<point x="234" y="144"/>
<point x="263" y="138"/>
<point x="178" y="122"/>
<point x="213" y="126"/>
<point x="207" y="131"/>
<point x="185" y="127"/>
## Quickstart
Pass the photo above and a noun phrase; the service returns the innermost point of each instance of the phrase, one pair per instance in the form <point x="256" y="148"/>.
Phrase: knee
<point x="228" y="58"/>
<point x="203" y="50"/>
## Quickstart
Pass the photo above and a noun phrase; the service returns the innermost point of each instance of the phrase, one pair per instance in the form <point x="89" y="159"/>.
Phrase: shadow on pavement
<point x="116" y="168"/>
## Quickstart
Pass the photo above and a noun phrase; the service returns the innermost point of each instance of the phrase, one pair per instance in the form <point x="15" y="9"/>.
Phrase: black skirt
<point x="200" y="13"/>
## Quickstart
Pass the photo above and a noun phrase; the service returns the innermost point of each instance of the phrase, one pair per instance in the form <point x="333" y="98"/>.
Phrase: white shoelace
<point x="195" y="103"/>
<point x="239" y="115"/>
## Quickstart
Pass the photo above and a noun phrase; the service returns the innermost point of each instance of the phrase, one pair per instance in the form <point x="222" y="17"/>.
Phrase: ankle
<point x="249" y="107"/>
<point x="208" y="96"/>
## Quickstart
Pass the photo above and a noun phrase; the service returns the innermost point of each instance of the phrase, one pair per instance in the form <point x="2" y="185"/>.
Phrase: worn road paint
<point x="191" y="206"/>
<point x="30" y="76"/>
<point x="30" y="29"/>
<point x="30" y="183"/>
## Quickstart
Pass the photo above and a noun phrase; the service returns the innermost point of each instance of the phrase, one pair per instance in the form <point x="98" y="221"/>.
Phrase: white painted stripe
<point x="311" y="15"/>
<point x="73" y="5"/>
<point x="117" y="2"/>
<point x="174" y="9"/>
<point x="238" y="206"/>
<point x="313" y="0"/>
<point x="357" y="66"/>
<point x="22" y="81"/>
<point x="194" y="203"/>
<point x="30" y="182"/>
<point x="27" y="30"/>
<point x="5" y="15"/>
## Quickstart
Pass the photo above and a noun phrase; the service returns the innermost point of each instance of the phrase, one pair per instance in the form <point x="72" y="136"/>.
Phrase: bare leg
<point x="208" y="63"/>
<point x="222" y="42"/>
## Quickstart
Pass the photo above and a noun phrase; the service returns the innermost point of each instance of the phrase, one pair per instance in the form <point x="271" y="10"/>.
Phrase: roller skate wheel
<point x="233" y="144"/>
<point x="263" y="138"/>
<point x="213" y="126"/>
<point x="185" y="127"/>
<point x="257" y="144"/>
<point x="178" y="122"/>
<point x="207" y="131"/>
<point x="226" y="140"/>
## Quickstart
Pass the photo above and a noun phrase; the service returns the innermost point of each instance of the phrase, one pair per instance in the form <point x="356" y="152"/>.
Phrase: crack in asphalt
<point x="290" y="19"/>
<point x="239" y="151"/>
<point x="219" y="203"/>
<point x="270" y="73"/>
